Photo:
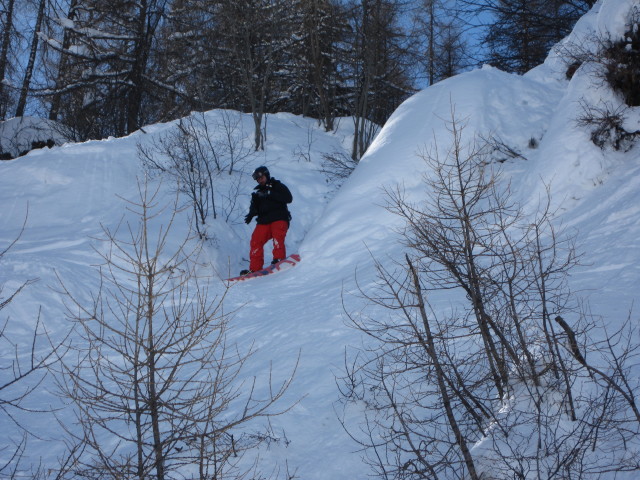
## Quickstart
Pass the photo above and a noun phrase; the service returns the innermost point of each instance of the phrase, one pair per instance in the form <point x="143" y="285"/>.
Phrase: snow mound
<point x="20" y="135"/>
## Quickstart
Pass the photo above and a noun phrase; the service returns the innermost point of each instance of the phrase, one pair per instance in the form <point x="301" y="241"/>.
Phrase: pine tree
<point x="104" y="79"/>
<point x="438" y="43"/>
<point x="520" y="33"/>
<point x="378" y="67"/>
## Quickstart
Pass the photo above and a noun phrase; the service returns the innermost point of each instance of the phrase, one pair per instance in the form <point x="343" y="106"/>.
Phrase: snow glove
<point x="262" y="193"/>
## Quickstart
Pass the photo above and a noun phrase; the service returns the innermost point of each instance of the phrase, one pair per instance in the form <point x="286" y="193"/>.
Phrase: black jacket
<point x="269" y="202"/>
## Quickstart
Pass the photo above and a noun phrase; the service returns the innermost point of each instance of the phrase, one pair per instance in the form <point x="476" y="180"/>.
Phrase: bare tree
<point x="23" y="367"/>
<point x="254" y="38"/>
<point x="156" y="385"/>
<point x="487" y="385"/>
<point x="376" y="67"/>
<point x="439" y="48"/>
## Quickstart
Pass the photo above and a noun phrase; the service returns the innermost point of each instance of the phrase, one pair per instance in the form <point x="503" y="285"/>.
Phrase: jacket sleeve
<point x="253" y="208"/>
<point x="281" y="193"/>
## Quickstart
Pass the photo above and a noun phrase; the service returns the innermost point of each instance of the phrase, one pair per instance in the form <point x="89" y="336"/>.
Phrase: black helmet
<point x="260" y="171"/>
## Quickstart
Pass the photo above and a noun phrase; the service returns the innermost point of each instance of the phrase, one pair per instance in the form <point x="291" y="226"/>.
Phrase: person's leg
<point x="279" y="232"/>
<point x="260" y="236"/>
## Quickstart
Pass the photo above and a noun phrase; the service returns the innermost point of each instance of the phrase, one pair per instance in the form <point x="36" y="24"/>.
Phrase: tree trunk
<point x="138" y="68"/>
<point x="320" y="65"/>
<point x="447" y="402"/>
<point x="24" y="91"/>
<point x="432" y="33"/>
<point x="66" y="43"/>
<point x="4" y="57"/>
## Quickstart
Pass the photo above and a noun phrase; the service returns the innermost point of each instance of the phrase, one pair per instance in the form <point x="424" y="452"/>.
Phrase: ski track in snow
<point x="303" y="317"/>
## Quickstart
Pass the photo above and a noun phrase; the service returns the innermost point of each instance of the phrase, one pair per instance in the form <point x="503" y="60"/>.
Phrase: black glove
<point x="248" y="219"/>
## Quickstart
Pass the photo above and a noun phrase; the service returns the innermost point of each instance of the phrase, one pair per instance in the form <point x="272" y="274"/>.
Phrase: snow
<point x="17" y="134"/>
<point x="68" y="193"/>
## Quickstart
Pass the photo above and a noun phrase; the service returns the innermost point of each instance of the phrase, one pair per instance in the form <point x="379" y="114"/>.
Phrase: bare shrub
<point x="616" y="63"/>
<point x="337" y="166"/>
<point x="607" y="126"/>
<point x="622" y="61"/>
<point x="157" y="388"/>
<point x="303" y="152"/>
<point x="194" y="158"/>
<point x="496" y="384"/>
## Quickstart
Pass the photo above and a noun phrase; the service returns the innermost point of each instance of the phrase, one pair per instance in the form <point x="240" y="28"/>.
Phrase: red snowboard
<point x="288" y="262"/>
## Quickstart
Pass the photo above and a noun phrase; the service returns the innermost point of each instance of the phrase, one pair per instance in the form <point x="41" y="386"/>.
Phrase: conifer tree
<point x="519" y="33"/>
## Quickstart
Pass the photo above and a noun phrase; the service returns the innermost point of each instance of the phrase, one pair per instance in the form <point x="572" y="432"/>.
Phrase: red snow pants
<point x="261" y="235"/>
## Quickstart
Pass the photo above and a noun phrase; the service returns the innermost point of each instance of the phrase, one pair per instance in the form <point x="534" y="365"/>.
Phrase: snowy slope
<point x="297" y="316"/>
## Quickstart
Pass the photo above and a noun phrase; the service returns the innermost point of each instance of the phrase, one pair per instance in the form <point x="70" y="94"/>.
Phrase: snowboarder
<point x="268" y="203"/>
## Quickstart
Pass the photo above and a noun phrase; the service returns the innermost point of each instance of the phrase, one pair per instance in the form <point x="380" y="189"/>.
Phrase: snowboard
<point x="285" y="264"/>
